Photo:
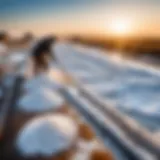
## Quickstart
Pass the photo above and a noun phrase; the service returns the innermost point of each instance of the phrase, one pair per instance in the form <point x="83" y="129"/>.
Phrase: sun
<point x="119" y="26"/>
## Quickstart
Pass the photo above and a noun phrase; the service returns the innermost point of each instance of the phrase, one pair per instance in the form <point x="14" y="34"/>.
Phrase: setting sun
<point x="120" y="26"/>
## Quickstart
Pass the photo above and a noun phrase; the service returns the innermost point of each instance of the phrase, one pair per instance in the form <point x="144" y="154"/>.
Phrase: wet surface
<point x="132" y="88"/>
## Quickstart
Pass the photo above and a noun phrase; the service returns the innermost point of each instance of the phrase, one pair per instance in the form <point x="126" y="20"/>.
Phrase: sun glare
<point x="119" y="27"/>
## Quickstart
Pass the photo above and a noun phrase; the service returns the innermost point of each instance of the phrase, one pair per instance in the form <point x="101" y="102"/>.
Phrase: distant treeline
<point x="128" y="46"/>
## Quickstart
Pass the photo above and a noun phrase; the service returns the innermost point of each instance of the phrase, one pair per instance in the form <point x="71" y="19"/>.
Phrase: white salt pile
<point x="17" y="57"/>
<point x="41" y="100"/>
<point x="15" y="61"/>
<point x="46" y="80"/>
<point x="47" y="135"/>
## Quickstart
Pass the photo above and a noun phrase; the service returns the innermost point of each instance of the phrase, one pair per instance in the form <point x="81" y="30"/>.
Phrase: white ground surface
<point x="132" y="88"/>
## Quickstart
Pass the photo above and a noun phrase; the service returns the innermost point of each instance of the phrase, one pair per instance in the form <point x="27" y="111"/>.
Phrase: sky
<point x="104" y="17"/>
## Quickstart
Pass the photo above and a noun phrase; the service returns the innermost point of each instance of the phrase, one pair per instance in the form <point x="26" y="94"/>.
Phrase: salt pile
<point x="17" y="57"/>
<point x="46" y="80"/>
<point x="47" y="135"/>
<point x="41" y="100"/>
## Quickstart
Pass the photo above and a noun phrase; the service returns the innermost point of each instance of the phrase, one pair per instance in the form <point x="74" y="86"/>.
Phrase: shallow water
<point x="134" y="89"/>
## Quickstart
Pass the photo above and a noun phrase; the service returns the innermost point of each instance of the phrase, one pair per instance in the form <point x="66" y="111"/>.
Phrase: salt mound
<point x="41" y="100"/>
<point x="47" y="135"/>
<point x="17" y="58"/>
<point x="45" y="80"/>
